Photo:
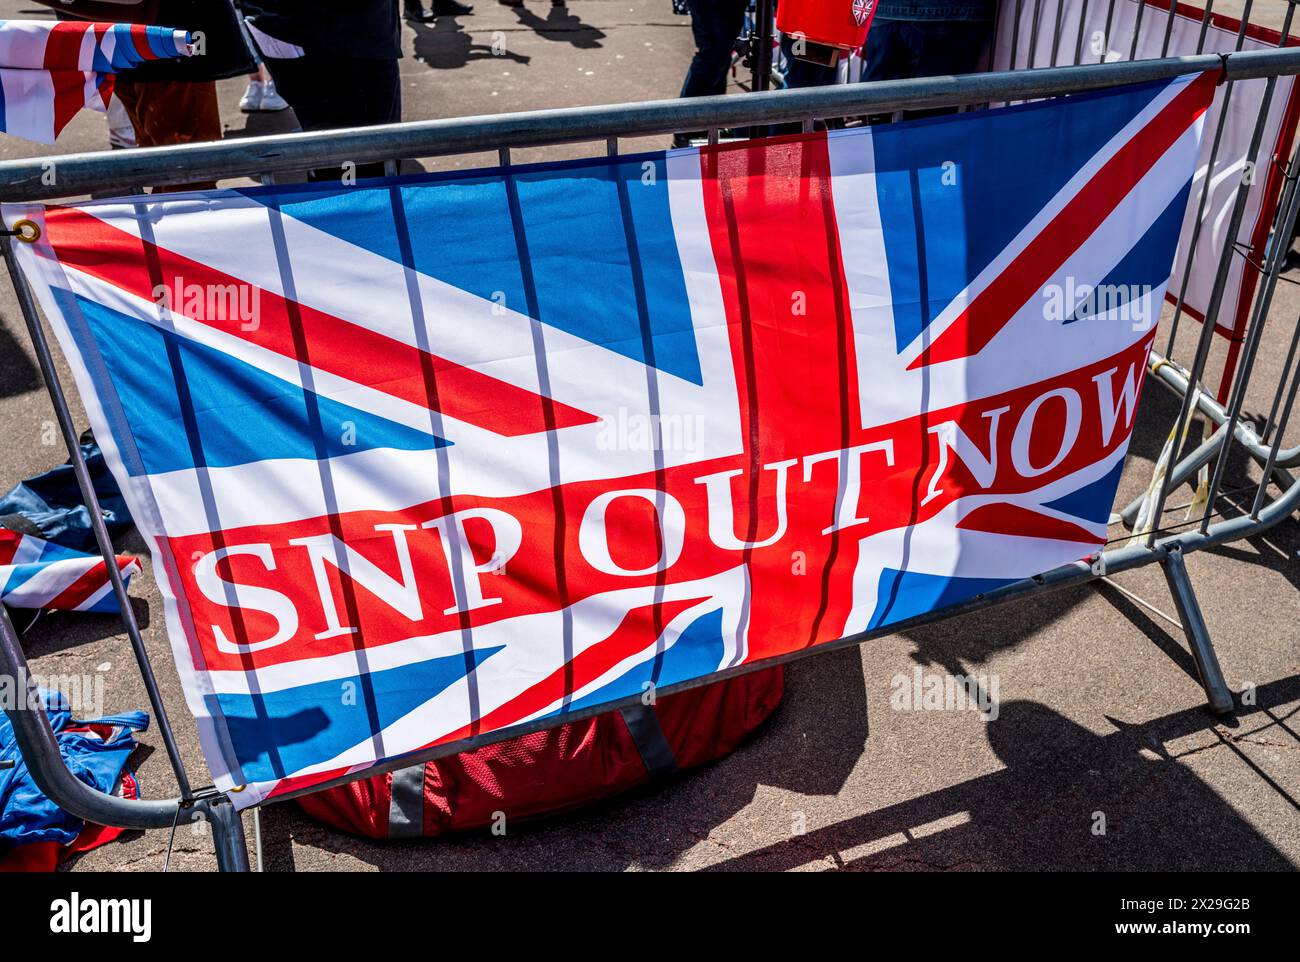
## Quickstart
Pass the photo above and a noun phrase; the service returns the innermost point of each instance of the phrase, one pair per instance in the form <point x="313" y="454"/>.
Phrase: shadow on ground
<point x="446" y="45"/>
<point x="19" y="373"/>
<point x="1061" y="785"/>
<point x="785" y="753"/>
<point x="559" y="25"/>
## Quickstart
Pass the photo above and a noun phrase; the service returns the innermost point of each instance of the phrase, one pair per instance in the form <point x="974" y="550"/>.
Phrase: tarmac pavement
<point x="1101" y="718"/>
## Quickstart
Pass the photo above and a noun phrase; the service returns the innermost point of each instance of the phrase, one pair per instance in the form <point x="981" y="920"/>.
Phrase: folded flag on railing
<point x="37" y="574"/>
<point x="81" y="45"/>
<point x="428" y="459"/>
<point x="50" y="70"/>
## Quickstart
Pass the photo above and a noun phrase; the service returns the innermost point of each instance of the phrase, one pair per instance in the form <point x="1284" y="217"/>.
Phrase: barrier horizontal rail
<point x="78" y="174"/>
<point x="75" y="174"/>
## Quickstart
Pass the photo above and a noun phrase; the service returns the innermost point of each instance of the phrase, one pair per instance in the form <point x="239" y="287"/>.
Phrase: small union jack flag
<point x="35" y="573"/>
<point x="51" y="70"/>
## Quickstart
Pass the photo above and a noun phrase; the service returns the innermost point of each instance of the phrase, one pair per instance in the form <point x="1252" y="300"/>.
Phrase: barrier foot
<point x="228" y="839"/>
<point x="1198" y="635"/>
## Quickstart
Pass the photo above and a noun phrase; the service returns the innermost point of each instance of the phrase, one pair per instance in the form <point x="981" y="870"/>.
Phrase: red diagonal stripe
<point x="636" y="632"/>
<point x="140" y="37"/>
<point x="69" y="96"/>
<point x="994" y="307"/>
<point x="90" y="581"/>
<point x="340" y="347"/>
<point x="8" y="545"/>
<point x="63" y="45"/>
<point x="1017" y="522"/>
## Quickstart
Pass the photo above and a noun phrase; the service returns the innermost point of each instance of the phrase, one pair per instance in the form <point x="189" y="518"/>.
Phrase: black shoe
<point x="451" y="8"/>
<point x="414" y="12"/>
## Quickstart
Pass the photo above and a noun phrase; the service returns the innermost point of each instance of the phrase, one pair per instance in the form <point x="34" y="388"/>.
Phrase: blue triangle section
<point x="313" y="723"/>
<point x="1093" y="501"/>
<point x="906" y="594"/>
<point x="697" y="652"/>
<point x="954" y="191"/>
<point x="573" y="220"/>
<point x="178" y="395"/>
<point x="1145" y="267"/>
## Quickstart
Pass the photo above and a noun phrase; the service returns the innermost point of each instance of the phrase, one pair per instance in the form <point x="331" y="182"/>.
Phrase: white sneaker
<point x="252" y="99"/>
<point x="272" y="101"/>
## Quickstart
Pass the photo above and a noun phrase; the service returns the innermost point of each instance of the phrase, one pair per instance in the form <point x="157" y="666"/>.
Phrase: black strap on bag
<point x="651" y="743"/>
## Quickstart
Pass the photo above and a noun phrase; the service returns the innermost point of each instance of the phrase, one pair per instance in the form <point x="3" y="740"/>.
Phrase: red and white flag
<point x="35" y="573"/>
<point x="49" y="70"/>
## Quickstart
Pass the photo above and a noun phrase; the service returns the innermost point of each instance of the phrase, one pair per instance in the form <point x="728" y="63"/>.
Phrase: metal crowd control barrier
<point x="263" y="157"/>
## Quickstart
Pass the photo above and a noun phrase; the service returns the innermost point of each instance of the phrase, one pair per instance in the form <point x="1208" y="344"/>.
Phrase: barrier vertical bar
<point x="1033" y="33"/>
<point x="762" y="45"/>
<point x="1273" y="268"/>
<point x="1271" y="421"/>
<point x="1056" y="33"/>
<point x="1137" y="29"/>
<point x="45" y="360"/>
<point x="1225" y="259"/>
<point x="1169" y="28"/>
<point x="1198" y="635"/>
<point x="1015" y="34"/>
<point x="1281" y="428"/>
<point x="228" y="839"/>
<point x="1105" y="39"/>
<point x="1197" y="227"/>
<point x="1078" y="43"/>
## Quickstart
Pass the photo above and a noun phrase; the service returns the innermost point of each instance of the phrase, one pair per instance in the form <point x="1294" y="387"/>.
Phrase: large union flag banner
<point x="424" y="459"/>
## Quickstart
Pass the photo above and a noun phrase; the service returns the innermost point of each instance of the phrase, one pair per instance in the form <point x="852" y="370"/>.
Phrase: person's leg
<point x="251" y="102"/>
<point x="451" y="8"/>
<point x="413" y="10"/>
<point x="332" y="92"/>
<point x="950" y="46"/>
<point x="296" y="79"/>
<point x="175" y="112"/>
<point x="942" y="47"/>
<point x="885" y="57"/>
<point x="716" y="24"/>
<point x="881" y="58"/>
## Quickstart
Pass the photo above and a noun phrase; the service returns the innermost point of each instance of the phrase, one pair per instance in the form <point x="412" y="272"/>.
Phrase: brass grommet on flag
<point x="27" y="231"/>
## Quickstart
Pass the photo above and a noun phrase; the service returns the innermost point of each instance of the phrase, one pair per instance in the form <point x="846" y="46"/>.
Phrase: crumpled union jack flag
<point x="35" y="573"/>
<point x="425" y="459"/>
<point x="50" y="70"/>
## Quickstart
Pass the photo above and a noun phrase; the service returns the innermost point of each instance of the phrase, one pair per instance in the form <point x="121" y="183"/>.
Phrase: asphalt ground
<point x="1101" y="717"/>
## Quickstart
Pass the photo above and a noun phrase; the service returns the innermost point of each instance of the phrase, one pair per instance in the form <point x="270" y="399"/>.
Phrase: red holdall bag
<point x="556" y="770"/>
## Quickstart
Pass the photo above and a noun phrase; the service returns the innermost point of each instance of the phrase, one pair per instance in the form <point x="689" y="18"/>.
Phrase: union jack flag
<point x="50" y="70"/>
<point x="424" y="459"/>
<point x="35" y="573"/>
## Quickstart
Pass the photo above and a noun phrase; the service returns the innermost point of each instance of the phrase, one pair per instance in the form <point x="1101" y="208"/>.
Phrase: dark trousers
<point x="900" y="49"/>
<point x="328" y="92"/>
<point x="716" y="24"/>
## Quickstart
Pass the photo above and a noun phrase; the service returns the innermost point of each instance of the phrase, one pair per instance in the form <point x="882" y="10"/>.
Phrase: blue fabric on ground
<point x="52" y="503"/>
<point x="26" y="814"/>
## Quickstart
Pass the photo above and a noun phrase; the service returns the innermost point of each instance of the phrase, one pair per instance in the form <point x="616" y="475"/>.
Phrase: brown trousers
<point x="165" y="113"/>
